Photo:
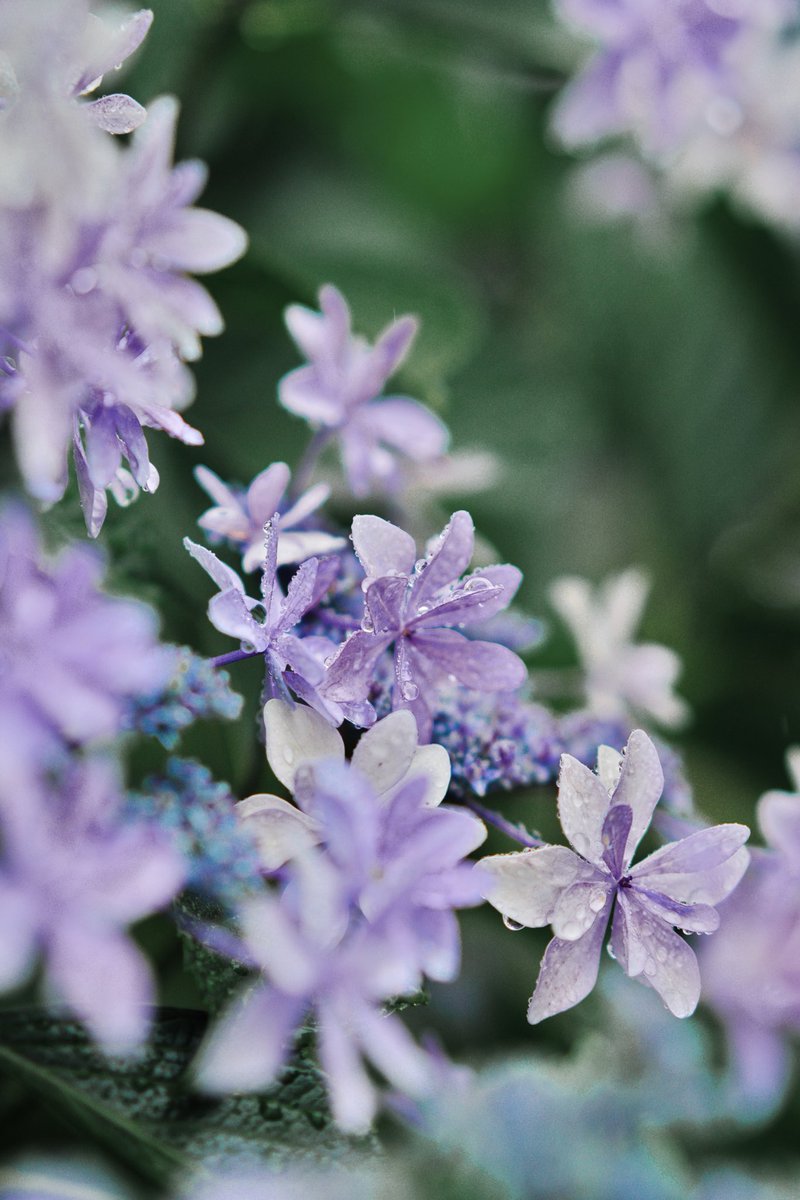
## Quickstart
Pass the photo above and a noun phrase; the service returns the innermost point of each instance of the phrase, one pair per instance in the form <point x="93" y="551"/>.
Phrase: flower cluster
<point x="98" y="315"/>
<point x="706" y="89"/>
<point x="372" y="869"/>
<point x="195" y="691"/>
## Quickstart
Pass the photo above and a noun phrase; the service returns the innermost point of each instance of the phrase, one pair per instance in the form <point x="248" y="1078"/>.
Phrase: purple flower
<point x="751" y="976"/>
<point x="414" y="606"/>
<point x="656" y="66"/>
<point x="239" y="517"/>
<point x="292" y="662"/>
<point x="339" y="392"/>
<point x="71" y="657"/>
<point x="97" y="313"/>
<point x="73" y="876"/>
<point x="105" y="49"/>
<point x="604" y="817"/>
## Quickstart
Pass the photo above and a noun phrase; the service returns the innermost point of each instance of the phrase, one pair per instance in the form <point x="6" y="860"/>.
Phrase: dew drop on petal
<point x="597" y="899"/>
<point x="514" y="926"/>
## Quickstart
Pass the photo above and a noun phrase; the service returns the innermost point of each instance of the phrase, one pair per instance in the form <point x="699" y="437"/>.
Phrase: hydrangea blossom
<point x="97" y="312"/>
<point x="707" y="89"/>
<point x="387" y="756"/>
<point x="339" y="393"/>
<point x="751" y="976"/>
<point x="239" y="517"/>
<point x="622" y="678"/>
<point x="414" y="606"/>
<point x="367" y="908"/>
<point x="73" y="658"/>
<point x="73" y="876"/>
<point x="292" y="662"/>
<point x="604" y="817"/>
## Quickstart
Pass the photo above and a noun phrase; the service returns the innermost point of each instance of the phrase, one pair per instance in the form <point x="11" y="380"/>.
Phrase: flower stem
<point x="305" y="469"/>
<point x="233" y="656"/>
<point x="517" y="832"/>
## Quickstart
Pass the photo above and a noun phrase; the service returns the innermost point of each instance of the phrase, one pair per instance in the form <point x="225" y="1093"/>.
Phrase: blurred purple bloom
<point x="106" y="49"/>
<point x="751" y="971"/>
<point x="604" y="817"/>
<point x="72" y="657"/>
<point x="339" y="391"/>
<point x="655" y="65"/>
<point x="239" y="517"/>
<point x="73" y="876"/>
<point x="414" y="605"/>
<point x="292" y="662"/>
<point x="97" y="313"/>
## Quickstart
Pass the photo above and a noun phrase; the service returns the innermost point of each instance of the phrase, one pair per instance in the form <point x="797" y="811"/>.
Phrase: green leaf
<point x="143" y="1111"/>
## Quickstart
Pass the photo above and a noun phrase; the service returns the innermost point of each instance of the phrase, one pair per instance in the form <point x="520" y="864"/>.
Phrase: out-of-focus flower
<point x="751" y="971"/>
<point x="340" y="392"/>
<point x="198" y="815"/>
<point x="707" y="89"/>
<point x="622" y="679"/>
<point x="292" y="662"/>
<point x="98" y="315"/>
<point x="604" y="817"/>
<point x="387" y="756"/>
<point x="73" y="659"/>
<point x="414" y="605"/>
<point x="73" y="875"/>
<point x="239" y="517"/>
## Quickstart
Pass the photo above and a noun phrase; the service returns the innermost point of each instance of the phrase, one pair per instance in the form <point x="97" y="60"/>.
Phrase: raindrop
<point x="597" y="899"/>
<point x="409" y="690"/>
<point x="514" y="926"/>
<point x="650" y="968"/>
<point x="288" y="755"/>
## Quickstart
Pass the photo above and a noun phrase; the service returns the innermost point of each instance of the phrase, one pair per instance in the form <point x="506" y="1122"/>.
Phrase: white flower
<point x="622" y="679"/>
<point x="297" y="738"/>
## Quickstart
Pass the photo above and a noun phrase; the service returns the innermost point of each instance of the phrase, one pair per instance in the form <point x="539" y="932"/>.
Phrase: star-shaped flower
<point x="340" y="391"/>
<point x="604" y="817"/>
<point x="240" y="516"/>
<point x="415" y="605"/>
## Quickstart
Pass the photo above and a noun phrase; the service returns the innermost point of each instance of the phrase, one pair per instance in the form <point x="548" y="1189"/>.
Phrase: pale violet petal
<point x="641" y="783"/>
<point x="568" y="972"/>
<point x="609" y="765"/>
<point x="661" y="959"/>
<point x="279" y="829"/>
<point x="579" y="906"/>
<point x="297" y="736"/>
<point x="385" y="752"/>
<point x="583" y="803"/>
<point x="525" y="886"/>
<point x="382" y="548"/>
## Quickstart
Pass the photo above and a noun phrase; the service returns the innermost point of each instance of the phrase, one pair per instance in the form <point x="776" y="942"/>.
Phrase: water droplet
<point x="514" y="926"/>
<point x="571" y="931"/>
<point x="661" y="954"/>
<point x="409" y="689"/>
<point x="83" y="281"/>
<point x="597" y="899"/>
<point x="610" y="951"/>
<point x="288" y="755"/>
<point x="650" y="968"/>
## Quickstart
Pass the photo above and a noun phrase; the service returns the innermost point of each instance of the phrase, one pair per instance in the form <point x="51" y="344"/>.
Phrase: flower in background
<point x="239" y="517"/>
<point x="98" y="315"/>
<point x="73" y="876"/>
<point x="339" y="393"/>
<point x="751" y="971"/>
<point x="387" y="756"/>
<point x="73" y="659"/>
<point x="622" y="679"/>
<point x="414" y="605"/>
<point x="197" y="690"/>
<point x="604" y="817"/>
<point x="292" y="661"/>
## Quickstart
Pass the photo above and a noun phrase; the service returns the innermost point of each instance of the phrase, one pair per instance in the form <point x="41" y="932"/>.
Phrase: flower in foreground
<point x="239" y="517"/>
<point x="73" y="875"/>
<point x="387" y="756"/>
<point x="621" y="678"/>
<point x="414" y="606"/>
<point x="339" y="392"/>
<point x="604" y="817"/>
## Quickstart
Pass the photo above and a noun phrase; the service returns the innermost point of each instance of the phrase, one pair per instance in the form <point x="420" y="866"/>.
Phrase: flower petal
<point x="579" y="906"/>
<point x="525" y="886"/>
<point x="641" y="783"/>
<point x="583" y="803"/>
<point x="280" y="830"/>
<point x="382" y="548"/>
<point x="385" y="752"/>
<point x="349" y="673"/>
<point x="484" y="666"/>
<point x="249" y="1043"/>
<point x="448" y="559"/>
<point x="693" y="855"/>
<point x="265" y="493"/>
<point x="660" y="957"/>
<point x="568" y="972"/>
<point x="295" y="737"/>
